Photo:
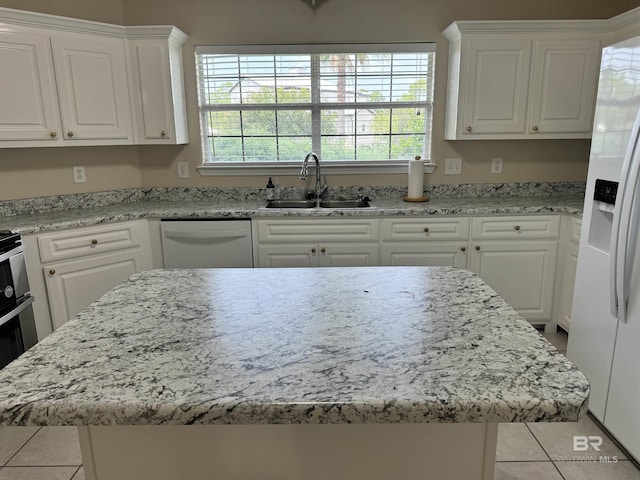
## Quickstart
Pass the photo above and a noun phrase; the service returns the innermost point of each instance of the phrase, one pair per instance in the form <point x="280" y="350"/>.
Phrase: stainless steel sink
<point x="291" y="203"/>
<point x="351" y="203"/>
<point x="330" y="203"/>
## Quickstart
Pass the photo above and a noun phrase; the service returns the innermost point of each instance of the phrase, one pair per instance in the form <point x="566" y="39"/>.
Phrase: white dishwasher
<point x="206" y="243"/>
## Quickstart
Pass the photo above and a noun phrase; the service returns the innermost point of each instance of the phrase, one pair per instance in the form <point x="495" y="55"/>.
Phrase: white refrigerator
<point x="604" y="341"/>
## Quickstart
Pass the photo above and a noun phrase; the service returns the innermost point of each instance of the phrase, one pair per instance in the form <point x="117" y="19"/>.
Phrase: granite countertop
<point x="294" y="346"/>
<point x="219" y="208"/>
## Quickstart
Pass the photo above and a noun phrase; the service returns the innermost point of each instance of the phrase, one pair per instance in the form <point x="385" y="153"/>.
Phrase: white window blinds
<point x="346" y="102"/>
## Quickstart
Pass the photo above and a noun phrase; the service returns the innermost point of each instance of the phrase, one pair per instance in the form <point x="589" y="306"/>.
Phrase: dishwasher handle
<point x="206" y="234"/>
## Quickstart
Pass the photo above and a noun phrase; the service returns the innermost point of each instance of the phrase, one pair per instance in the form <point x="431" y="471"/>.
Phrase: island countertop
<point x="294" y="346"/>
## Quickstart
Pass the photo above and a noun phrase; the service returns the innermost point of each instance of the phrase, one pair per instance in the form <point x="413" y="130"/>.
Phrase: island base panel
<point x="290" y="452"/>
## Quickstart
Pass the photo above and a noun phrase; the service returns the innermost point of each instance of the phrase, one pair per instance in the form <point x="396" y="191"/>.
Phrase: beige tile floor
<point x="531" y="451"/>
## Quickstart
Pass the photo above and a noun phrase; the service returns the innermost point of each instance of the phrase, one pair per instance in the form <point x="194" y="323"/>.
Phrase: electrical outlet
<point x="79" y="175"/>
<point x="183" y="170"/>
<point x="453" y="166"/>
<point x="496" y="165"/>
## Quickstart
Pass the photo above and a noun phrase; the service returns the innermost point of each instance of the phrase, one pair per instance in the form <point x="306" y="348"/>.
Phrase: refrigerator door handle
<point x="623" y="226"/>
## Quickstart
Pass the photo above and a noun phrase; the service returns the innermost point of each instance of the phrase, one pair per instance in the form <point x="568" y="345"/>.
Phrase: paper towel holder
<point x="418" y="185"/>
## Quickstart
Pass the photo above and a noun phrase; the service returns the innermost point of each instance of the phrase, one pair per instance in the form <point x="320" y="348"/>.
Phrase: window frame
<point x="333" y="166"/>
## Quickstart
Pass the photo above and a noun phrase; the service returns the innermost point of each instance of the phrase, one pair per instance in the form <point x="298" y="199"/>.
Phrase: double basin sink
<point x="331" y="203"/>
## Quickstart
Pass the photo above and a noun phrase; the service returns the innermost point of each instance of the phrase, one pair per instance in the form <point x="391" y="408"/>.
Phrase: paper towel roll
<point x="416" y="178"/>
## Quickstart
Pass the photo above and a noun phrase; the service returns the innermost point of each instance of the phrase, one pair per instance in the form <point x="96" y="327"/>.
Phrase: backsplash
<point x="28" y="206"/>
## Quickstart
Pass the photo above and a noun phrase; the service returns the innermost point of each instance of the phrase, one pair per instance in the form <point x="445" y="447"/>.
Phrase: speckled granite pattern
<point x="340" y="345"/>
<point x="222" y="209"/>
<point x="30" y="206"/>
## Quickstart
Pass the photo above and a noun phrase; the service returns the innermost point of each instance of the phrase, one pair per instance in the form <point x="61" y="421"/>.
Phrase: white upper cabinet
<point x="496" y="85"/>
<point x="505" y="84"/>
<point x="28" y="102"/>
<point x="91" y="76"/>
<point x="69" y="82"/>
<point x="158" y="88"/>
<point x="563" y="89"/>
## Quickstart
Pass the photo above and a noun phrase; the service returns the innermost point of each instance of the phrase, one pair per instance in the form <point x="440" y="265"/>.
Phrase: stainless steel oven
<point x="17" y="324"/>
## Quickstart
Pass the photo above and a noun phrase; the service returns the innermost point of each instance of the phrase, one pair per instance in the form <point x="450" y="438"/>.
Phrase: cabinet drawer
<point x="351" y="230"/>
<point x="502" y="228"/>
<point x="88" y="241"/>
<point x="424" y="229"/>
<point x="575" y="226"/>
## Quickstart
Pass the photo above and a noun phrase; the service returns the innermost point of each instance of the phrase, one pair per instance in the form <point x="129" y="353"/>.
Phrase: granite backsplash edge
<point x="27" y="206"/>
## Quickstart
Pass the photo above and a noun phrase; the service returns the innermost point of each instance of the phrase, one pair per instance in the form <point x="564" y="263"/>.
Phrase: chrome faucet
<point x="304" y="173"/>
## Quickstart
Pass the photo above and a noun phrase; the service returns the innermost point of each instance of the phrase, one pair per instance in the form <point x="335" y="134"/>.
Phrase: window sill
<point x="293" y="168"/>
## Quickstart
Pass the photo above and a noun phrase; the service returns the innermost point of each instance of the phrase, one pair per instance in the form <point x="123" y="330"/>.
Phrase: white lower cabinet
<point x="74" y="285"/>
<point x="317" y="242"/>
<point x="318" y="255"/>
<point x="517" y="256"/>
<point x="424" y="254"/>
<point x="438" y="241"/>
<point x="520" y="272"/>
<point x="70" y="269"/>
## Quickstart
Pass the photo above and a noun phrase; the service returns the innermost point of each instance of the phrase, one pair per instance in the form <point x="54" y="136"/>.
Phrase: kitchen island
<point x="342" y="373"/>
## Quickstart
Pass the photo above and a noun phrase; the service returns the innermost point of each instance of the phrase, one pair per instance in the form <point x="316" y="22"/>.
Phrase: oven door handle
<point x="25" y="303"/>
<point x="11" y="253"/>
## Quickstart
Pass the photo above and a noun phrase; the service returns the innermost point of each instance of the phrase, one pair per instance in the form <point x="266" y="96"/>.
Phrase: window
<point x="356" y="106"/>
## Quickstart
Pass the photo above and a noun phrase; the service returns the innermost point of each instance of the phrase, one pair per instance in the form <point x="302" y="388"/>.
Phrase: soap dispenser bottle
<point x="271" y="190"/>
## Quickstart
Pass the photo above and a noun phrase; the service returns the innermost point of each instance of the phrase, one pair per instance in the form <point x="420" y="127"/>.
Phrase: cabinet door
<point x="28" y="103"/>
<point x="288" y="255"/>
<point x="348" y="255"/>
<point x="522" y="273"/>
<point x="92" y="88"/>
<point x="153" y="95"/>
<point x="496" y="85"/>
<point x="158" y="91"/>
<point x="73" y="285"/>
<point x="450" y="254"/>
<point x="563" y="86"/>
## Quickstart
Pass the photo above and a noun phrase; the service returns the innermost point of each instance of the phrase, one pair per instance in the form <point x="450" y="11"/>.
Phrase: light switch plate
<point x="453" y="166"/>
<point x="79" y="175"/>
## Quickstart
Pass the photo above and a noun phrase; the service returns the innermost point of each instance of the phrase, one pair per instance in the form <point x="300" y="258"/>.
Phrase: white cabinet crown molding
<point x="614" y="29"/>
<point x="173" y="33"/>
<point x="56" y="22"/>
<point x="546" y="27"/>
<point x="625" y="25"/>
